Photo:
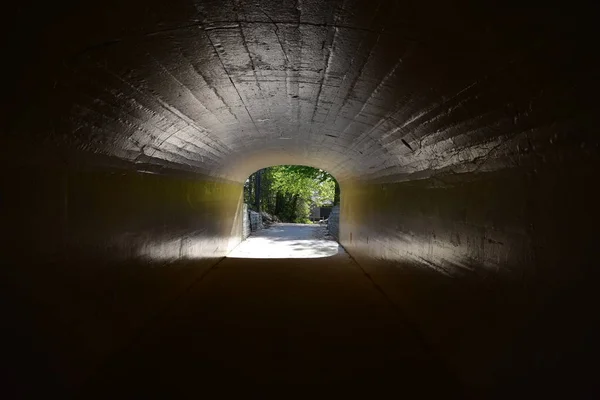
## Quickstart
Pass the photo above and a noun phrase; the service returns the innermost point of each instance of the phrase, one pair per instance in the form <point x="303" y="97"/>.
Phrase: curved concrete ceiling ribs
<point x="382" y="90"/>
<point x="464" y="137"/>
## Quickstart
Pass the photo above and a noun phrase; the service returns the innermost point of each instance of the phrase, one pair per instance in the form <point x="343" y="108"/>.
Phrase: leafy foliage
<point x="289" y="191"/>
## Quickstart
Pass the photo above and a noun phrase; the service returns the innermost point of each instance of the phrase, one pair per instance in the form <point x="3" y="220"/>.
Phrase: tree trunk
<point x="278" y="203"/>
<point x="257" y="190"/>
<point x="294" y="208"/>
<point x="336" y="194"/>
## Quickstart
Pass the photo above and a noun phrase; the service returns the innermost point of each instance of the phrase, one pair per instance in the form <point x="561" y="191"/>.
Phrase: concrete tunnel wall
<point x="497" y="283"/>
<point x="464" y="140"/>
<point x="91" y="255"/>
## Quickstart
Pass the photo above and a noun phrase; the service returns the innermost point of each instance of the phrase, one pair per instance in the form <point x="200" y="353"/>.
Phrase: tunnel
<point x="464" y="136"/>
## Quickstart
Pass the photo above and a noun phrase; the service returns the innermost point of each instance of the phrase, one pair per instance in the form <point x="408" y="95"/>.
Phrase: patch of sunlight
<point x="282" y="247"/>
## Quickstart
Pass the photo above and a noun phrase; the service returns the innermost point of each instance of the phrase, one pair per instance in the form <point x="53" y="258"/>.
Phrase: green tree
<point x="289" y="191"/>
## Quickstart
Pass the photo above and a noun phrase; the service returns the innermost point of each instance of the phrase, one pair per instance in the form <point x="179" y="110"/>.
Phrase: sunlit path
<point x="288" y="241"/>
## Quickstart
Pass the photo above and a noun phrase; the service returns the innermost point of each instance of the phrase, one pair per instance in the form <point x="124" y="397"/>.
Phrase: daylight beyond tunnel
<point x="290" y="211"/>
<point x="464" y="138"/>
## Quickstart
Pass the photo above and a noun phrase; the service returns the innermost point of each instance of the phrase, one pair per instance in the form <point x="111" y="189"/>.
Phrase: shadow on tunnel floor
<point x="280" y="328"/>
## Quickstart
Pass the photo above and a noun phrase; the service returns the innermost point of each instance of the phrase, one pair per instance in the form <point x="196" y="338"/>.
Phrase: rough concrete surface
<point x="464" y="136"/>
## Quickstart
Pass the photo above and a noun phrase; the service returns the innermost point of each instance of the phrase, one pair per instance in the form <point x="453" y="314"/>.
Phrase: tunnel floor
<point x="267" y="325"/>
<point x="286" y="240"/>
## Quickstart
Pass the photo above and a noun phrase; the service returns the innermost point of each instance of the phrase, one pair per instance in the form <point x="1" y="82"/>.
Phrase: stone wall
<point x="251" y="222"/>
<point x="245" y="222"/>
<point x="256" y="223"/>
<point x="333" y="223"/>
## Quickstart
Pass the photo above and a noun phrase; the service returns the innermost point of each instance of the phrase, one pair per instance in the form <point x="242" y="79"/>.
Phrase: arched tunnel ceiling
<point x="378" y="90"/>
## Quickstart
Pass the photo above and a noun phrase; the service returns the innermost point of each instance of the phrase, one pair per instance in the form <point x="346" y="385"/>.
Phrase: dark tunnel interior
<point x="464" y="136"/>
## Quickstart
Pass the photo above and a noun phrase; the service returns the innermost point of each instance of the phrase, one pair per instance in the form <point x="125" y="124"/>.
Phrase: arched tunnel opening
<point x="465" y="141"/>
<point x="290" y="211"/>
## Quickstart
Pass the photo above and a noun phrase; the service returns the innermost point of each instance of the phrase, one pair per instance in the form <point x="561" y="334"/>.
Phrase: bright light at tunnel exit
<point x="300" y="196"/>
<point x="288" y="241"/>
